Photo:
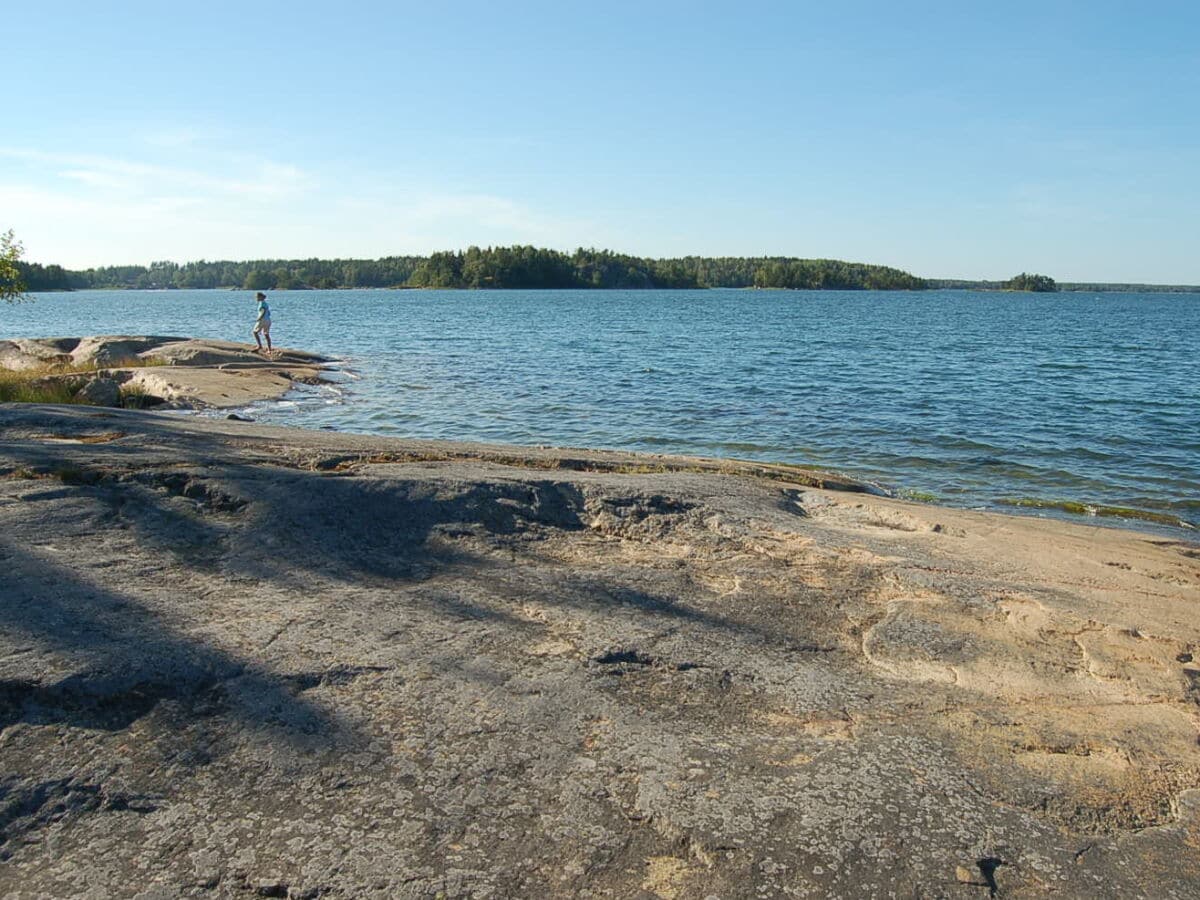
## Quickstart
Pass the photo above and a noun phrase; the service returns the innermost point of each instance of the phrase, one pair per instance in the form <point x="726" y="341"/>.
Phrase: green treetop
<point x="1042" y="284"/>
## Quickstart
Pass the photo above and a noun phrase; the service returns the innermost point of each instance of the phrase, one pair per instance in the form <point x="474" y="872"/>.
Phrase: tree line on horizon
<point x="491" y="267"/>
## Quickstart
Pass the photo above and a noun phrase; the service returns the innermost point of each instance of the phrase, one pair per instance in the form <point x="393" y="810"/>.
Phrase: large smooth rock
<point x="193" y="352"/>
<point x="36" y="353"/>
<point x="110" y="351"/>
<point x="238" y="660"/>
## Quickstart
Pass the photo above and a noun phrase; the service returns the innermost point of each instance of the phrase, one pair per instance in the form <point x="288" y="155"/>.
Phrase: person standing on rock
<point x="262" y="325"/>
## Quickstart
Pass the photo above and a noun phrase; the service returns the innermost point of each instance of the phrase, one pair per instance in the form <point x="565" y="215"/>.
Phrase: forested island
<point x="1036" y="284"/>
<point x="492" y="267"/>
<point x="1025" y="282"/>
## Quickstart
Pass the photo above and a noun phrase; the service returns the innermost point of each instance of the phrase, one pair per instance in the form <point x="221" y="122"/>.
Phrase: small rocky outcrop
<point x="100" y="391"/>
<point x="177" y="371"/>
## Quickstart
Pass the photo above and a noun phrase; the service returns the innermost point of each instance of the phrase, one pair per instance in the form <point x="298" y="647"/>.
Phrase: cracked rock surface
<point x="240" y="661"/>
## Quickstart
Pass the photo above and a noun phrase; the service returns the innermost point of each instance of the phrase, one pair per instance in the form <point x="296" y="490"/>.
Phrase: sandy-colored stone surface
<point x="245" y="661"/>
<point x="190" y="373"/>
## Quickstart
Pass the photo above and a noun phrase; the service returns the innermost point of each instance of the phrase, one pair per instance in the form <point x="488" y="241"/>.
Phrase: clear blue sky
<point x="946" y="138"/>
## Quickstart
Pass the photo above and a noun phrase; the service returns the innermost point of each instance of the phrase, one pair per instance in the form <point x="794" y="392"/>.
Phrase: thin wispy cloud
<point x="111" y="210"/>
<point x="97" y="178"/>
<point x="228" y="175"/>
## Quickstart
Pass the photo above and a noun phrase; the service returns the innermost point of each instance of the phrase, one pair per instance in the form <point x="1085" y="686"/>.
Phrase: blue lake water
<point x="972" y="398"/>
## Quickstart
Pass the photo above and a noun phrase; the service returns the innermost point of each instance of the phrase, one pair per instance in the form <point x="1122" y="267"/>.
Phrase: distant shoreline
<point x="539" y="268"/>
<point x="980" y="287"/>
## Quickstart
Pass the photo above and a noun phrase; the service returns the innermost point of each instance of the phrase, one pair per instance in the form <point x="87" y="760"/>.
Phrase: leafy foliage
<point x="12" y="284"/>
<point x="493" y="267"/>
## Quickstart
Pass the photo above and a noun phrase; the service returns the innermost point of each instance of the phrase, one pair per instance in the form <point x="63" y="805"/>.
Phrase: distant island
<point x="1035" y="284"/>
<point x="959" y="284"/>
<point x="528" y="267"/>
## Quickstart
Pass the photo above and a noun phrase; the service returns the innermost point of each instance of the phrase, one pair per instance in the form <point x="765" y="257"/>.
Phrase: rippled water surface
<point x="975" y="399"/>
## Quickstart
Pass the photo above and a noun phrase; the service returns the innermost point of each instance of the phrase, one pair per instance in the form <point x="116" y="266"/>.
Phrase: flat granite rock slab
<point x="215" y="388"/>
<point x="249" y="661"/>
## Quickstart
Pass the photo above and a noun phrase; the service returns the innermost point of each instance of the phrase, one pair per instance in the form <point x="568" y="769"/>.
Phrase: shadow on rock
<point x="127" y="662"/>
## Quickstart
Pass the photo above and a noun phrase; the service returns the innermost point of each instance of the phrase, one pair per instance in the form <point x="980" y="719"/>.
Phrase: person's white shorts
<point x="263" y="326"/>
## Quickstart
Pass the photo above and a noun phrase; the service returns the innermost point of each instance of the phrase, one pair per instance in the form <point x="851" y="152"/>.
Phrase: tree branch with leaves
<point x="12" y="285"/>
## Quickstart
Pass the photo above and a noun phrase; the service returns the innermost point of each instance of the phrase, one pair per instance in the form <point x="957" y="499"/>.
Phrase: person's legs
<point x="267" y="334"/>
<point x="257" y="339"/>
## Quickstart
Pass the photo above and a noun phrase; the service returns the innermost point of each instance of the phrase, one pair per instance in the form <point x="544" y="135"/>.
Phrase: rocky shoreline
<point x="250" y="661"/>
<point x="165" y="372"/>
